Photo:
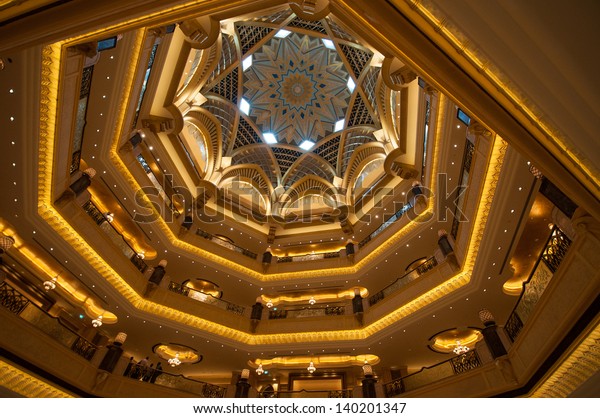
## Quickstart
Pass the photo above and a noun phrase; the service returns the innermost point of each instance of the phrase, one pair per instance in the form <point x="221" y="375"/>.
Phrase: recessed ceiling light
<point x="351" y="84"/>
<point x="328" y="43"/>
<point x="245" y="106"/>
<point x="339" y="125"/>
<point x="247" y="63"/>
<point x="270" y="138"/>
<point x="282" y="33"/>
<point x="306" y="144"/>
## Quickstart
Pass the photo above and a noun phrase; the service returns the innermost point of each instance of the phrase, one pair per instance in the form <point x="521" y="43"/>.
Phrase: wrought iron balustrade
<point x="344" y="393"/>
<point x="117" y="238"/>
<point x="465" y="362"/>
<point x="422" y="268"/>
<point x="226" y="244"/>
<point x="427" y="375"/>
<point x="11" y="299"/>
<point x="162" y="377"/>
<point x="206" y="298"/>
<point x="548" y="262"/>
<point x="20" y="305"/>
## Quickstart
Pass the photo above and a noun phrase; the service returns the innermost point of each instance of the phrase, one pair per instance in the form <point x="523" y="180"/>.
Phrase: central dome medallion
<point x="297" y="88"/>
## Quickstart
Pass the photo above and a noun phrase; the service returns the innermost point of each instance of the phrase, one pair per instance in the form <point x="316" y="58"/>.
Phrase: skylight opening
<point x="270" y="138"/>
<point x="282" y="33"/>
<point x="339" y="125"/>
<point x="247" y="63"/>
<point x="328" y="43"/>
<point x="245" y="106"/>
<point x="351" y="84"/>
<point x="306" y="145"/>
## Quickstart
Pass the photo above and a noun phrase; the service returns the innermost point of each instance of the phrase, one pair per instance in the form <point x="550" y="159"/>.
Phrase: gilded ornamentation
<point x="579" y="366"/>
<point x="26" y="385"/>
<point x="50" y="79"/>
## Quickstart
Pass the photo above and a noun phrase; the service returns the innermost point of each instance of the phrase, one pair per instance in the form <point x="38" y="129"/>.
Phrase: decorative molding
<point x="29" y="386"/>
<point x="577" y="368"/>
<point x="50" y="89"/>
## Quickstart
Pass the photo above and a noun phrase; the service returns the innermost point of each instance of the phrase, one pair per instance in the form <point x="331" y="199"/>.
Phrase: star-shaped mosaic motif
<point x="297" y="88"/>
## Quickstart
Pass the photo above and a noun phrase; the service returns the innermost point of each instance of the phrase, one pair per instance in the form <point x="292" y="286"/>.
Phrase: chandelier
<point x="260" y="370"/>
<point x="270" y="304"/>
<point x="460" y="349"/>
<point x="97" y="322"/>
<point x="312" y="300"/>
<point x="174" y="361"/>
<point x="50" y="284"/>
<point x="311" y="367"/>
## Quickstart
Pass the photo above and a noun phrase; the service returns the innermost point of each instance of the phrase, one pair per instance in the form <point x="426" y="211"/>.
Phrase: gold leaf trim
<point x="29" y="386"/>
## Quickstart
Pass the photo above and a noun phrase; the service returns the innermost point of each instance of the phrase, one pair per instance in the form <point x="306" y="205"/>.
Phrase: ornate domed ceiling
<point x="280" y="105"/>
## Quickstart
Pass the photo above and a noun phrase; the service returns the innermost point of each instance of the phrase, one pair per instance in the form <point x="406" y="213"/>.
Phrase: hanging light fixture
<point x="311" y="367"/>
<point x="174" y="361"/>
<point x="460" y="349"/>
<point x="260" y="370"/>
<point x="109" y="216"/>
<point x="97" y="322"/>
<point x="270" y="304"/>
<point x="50" y="284"/>
<point x="312" y="300"/>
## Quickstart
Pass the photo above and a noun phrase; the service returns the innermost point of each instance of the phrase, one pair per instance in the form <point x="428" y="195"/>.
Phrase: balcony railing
<point x="308" y="312"/>
<point x="175" y="381"/>
<point x="463" y="182"/>
<point x="396" y="216"/>
<point x="114" y="235"/>
<point x="20" y="305"/>
<point x="206" y="298"/>
<point x="80" y="119"/>
<point x="428" y="265"/>
<point x="307" y="394"/>
<point x="451" y="367"/>
<point x="226" y="244"/>
<point x="308" y="257"/>
<point x="552" y="255"/>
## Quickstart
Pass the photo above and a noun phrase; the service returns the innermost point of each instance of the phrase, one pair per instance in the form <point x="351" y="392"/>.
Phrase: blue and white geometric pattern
<point x="297" y="88"/>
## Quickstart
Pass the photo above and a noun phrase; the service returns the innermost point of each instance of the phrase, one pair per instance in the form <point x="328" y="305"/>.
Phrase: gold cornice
<point x="579" y="366"/>
<point x="29" y="386"/>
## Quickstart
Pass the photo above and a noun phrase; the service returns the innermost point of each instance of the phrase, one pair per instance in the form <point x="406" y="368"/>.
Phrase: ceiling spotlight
<point x="97" y="322"/>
